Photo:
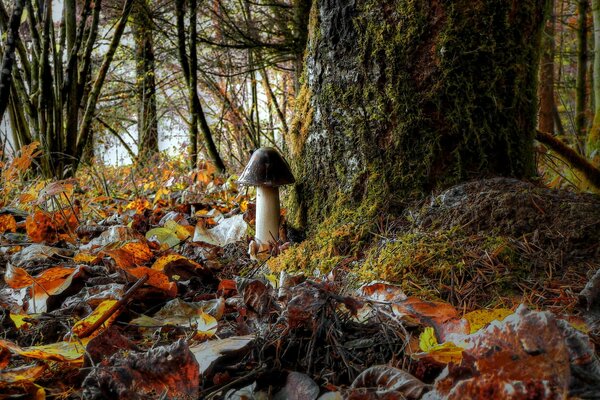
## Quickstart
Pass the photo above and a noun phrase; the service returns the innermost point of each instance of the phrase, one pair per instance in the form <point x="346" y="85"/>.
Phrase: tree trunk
<point x="593" y="139"/>
<point x="582" y="57"/>
<point x="147" y="119"/>
<point x="546" y="88"/>
<point x="403" y="97"/>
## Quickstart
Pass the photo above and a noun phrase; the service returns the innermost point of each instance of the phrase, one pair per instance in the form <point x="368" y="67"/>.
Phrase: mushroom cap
<point x="266" y="168"/>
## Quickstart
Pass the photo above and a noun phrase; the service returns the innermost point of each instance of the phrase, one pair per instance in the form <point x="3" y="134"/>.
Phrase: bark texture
<point x="401" y="97"/>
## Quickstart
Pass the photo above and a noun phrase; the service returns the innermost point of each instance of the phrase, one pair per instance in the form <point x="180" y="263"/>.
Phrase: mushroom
<point x="267" y="170"/>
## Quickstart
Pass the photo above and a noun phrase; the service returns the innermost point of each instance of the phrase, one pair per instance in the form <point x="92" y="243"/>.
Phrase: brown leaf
<point x="384" y="292"/>
<point x="162" y="372"/>
<point x="386" y="380"/>
<point x="522" y="357"/>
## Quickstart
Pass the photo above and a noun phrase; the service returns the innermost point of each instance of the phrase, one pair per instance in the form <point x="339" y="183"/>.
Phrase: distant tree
<point x="189" y="64"/>
<point x="147" y="117"/>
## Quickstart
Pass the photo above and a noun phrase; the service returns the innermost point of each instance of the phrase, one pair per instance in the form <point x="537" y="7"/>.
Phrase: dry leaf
<point x="103" y="308"/>
<point x="387" y="380"/>
<point x="61" y="351"/>
<point x="130" y="255"/>
<point x="7" y="223"/>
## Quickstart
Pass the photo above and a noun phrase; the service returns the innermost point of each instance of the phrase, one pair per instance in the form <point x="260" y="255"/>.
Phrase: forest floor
<point x="130" y="284"/>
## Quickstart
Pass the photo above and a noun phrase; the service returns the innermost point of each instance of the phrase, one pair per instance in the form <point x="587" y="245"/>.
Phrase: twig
<point x="114" y="308"/>
<point x="234" y="382"/>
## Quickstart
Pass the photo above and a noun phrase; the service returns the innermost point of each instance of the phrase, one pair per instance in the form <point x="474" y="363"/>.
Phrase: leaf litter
<point x="156" y="297"/>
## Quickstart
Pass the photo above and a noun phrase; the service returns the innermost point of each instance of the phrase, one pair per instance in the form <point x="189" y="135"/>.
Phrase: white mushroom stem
<point x="267" y="214"/>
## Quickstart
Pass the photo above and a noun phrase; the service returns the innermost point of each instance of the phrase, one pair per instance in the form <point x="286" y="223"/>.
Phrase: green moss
<point x="448" y="265"/>
<point x="341" y="236"/>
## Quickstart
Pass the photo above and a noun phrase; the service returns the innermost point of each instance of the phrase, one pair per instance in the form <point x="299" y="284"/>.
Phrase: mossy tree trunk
<point x="402" y="97"/>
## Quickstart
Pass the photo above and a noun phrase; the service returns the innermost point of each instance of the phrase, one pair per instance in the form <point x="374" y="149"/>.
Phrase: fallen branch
<point x="589" y="171"/>
<point x="92" y="328"/>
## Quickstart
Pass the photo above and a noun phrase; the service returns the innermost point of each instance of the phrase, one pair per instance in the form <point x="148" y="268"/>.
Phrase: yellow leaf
<point x="61" y="351"/>
<point x="427" y="340"/>
<point x="159" y="194"/>
<point x="85" y="258"/>
<point x="19" y="320"/>
<point x="182" y="232"/>
<point x="273" y="280"/>
<point x="441" y="353"/>
<point x="103" y="308"/>
<point x="481" y="318"/>
<point x="27" y="373"/>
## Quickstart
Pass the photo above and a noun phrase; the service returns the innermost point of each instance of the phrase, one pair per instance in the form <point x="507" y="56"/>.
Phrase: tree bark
<point x="147" y="118"/>
<point x="403" y="97"/>
<point x="8" y="58"/>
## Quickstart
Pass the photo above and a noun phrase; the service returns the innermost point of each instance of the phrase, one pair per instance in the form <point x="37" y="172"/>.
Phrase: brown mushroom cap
<point x="266" y="168"/>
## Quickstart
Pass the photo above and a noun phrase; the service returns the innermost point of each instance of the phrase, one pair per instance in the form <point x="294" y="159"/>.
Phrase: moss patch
<point x="447" y="265"/>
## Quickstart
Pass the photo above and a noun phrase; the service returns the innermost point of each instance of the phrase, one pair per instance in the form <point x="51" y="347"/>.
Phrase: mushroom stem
<point x="267" y="214"/>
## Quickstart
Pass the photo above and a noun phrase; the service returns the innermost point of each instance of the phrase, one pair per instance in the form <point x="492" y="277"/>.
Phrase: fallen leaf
<point x="61" y="351"/>
<point x="481" y="318"/>
<point x="381" y="291"/>
<point x="7" y="223"/>
<point x="389" y="380"/>
<point x="176" y="264"/>
<point x="156" y="279"/>
<point x="130" y="254"/>
<point x="167" y="371"/>
<point x="27" y="373"/>
<point x="210" y="352"/>
<point x="229" y="230"/>
<point x="103" y="308"/>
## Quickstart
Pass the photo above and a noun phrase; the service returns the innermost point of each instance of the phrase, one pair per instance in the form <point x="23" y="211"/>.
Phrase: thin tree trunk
<point x="593" y="139"/>
<point x="546" y="86"/>
<point x="8" y="58"/>
<point x="582" y="58"/>
<point x="88" y="116"/>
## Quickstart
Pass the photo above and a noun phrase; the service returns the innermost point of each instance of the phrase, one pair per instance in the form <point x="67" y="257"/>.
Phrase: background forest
<point x="219" y="78"/>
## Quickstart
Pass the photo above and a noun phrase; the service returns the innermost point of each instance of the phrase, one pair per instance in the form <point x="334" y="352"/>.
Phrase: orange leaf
<point x="131" y="254"/>
<point x="176" y="264"/>
<point x="156" y="279"/>
<point x="86" y="258"/>
<point x="100" y="311"/>
<point x="51" y="227"/>
<point x="17" y="278"/>
<point x="7" y="223"/>
<point x="139" y="205"/>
